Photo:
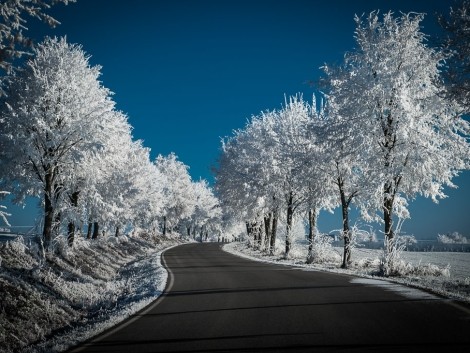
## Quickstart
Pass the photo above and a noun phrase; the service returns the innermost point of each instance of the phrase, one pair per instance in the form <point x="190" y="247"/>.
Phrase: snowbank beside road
<point x="51" y="304"/>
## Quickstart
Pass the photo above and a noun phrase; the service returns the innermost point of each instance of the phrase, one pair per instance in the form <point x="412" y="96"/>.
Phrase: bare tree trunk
<point x="88" y="231"/>
<point x="254" y="232"/>
<point x="96" y="229"/>
<point x="346" y="229"/>
<point x="267" y="230"/>
<point x="70" y="233"/>
<point x="117" y="231"/>
<point x="164" y="225"/>
<point x="48" y="215"/>
<point x="312" y="223"/>
<point x="388" y="212"/>
<point x="272" y="243"/>
<point x="71" y="225"/>
<point x="388" y="216"/>
<point x="259" y="230"/>
<point x="290" y="213"/>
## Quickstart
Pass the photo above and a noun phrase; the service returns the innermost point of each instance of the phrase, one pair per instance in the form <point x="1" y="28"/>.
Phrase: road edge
<point x="135" y="316"/>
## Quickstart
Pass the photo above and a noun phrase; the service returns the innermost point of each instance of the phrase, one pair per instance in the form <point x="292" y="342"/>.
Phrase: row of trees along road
<point x="63" y="141"/>
<point x="391" y="129"/>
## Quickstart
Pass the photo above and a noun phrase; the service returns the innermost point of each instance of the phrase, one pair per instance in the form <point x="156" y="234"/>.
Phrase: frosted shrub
<point x="15" y="255"/>
<point x="391" y="263"/>
<point x="323" y="251"/>
<point x="61" y="246"/>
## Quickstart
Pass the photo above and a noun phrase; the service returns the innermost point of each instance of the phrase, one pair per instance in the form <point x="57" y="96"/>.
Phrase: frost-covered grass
<point x="446" y="274"/>
<point x="51" y="303"/>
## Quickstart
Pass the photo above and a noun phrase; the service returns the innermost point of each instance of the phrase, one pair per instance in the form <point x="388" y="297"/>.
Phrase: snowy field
<point x="458" y="262"/>
<point x="443" y="273"/>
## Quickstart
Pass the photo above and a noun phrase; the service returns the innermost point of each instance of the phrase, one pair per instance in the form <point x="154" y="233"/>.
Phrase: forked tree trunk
<point x="312" y="223"/>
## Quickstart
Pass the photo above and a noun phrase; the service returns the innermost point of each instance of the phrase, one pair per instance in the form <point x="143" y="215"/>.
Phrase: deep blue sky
<point x="189" y="72"/>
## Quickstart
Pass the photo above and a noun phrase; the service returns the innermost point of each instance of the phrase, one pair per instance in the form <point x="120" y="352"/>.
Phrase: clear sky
<point x="189" y="72"/>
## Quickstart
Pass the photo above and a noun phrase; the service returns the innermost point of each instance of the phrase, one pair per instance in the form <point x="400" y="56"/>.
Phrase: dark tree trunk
<point x="388" y="212"/>
<point x="117" y="231"/>
<point x="290" y="213"/>
<point x="312" y="223"/>
<point x="71" y="225"/>
<point x="272" y="243"/>
<point x="248" y="229"/>
<point x="96" y="229"/>
<point x="188" y="230"/>
<point x="70" y="233"/>
<point x="88" y="231"/>
<point x="259" y="230"/>
<point x="346" y="231"/>
<point x="164" y="225"/>
<point x="48" y="212"/>
<point x="267" y="230"/>
<point x="254" y="232"/>
<point x="388" y="216"/>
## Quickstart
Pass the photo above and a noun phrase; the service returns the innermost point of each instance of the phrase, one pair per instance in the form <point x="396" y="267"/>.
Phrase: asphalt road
<point x="218" y="302"/>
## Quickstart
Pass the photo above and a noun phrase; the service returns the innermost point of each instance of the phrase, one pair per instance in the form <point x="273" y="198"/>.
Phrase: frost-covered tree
<point x="53" y="114"/>
<point x="242" y="179"/>
<point x="271" y="165"/>
<point x="177" y="191"/>
<point x="13" y="42"/>
<point x="412" y="139"/>
<point x="95" y="185"/>
<point x="457" y="44"/>
<point x="318" y="183"/>
<point x="207" y="212"/>
<point x="344" y="163"/>
<point x="298" y="169"/>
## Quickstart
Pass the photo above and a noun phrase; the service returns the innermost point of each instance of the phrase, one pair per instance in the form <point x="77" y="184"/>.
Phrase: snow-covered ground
<point x="50" y="304"/>
<point x="443" y="273"/>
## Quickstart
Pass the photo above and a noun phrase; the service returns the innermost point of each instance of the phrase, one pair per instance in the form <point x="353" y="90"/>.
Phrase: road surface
<point x="218" y="302"/>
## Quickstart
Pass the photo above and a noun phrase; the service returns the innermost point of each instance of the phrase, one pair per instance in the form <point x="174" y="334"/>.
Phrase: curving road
<point x="218" y="302"/>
